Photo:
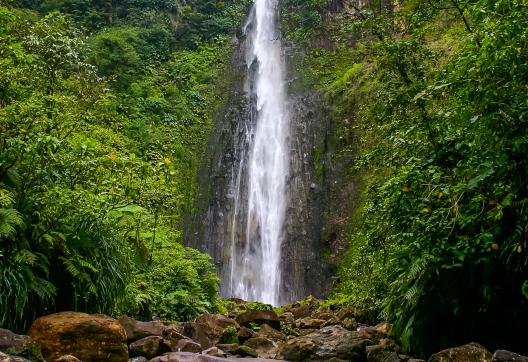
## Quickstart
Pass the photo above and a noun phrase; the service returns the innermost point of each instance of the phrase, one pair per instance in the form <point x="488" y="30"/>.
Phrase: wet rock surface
<point x="507" y="356"/>
<point x="90" y="338"/>
<point x="136" y="329"/>
<point x="472" y="352"/>
<point x="19" y="345"/>
<point x="73" y="337"/>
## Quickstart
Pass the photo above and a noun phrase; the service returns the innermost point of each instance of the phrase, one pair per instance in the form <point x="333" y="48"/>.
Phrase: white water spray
<point x="255" y="272"/>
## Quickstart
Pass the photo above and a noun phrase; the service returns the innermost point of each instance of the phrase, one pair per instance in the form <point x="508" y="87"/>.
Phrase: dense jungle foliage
<point x="438" y="97"/>
<point x="105" y="108"/>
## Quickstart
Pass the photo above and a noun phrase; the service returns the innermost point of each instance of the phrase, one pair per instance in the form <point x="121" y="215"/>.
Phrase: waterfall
<point x="258" y="182"/>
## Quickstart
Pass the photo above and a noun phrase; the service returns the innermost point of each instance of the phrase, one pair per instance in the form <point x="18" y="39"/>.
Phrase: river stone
<point x="472" y="352"/>
<point x="207" y="328"/>
<point x="136" y="329"/>
<point x="507" y="356"/>
<point x="91" y="338"/>
<point x="324" y="344"/>
<point x="19" y="345"/>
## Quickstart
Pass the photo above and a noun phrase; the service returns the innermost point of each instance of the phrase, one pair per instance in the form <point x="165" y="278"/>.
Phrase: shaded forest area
<point x="105" y="108"/>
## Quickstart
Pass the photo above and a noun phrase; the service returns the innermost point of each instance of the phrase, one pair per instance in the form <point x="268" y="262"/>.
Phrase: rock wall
<point x="318" y="192"/>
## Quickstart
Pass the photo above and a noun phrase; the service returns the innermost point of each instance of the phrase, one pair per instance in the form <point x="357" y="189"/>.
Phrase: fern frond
<point x="10" y="219"/>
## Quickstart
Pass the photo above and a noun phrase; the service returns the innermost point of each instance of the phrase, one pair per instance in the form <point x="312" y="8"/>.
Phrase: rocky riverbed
<point x="303" y="331"/>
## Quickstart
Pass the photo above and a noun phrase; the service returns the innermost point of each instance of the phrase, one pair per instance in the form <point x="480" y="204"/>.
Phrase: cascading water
<point x="258" y="185"/>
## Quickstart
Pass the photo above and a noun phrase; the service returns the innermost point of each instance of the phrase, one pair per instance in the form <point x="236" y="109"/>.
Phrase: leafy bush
<point x="438" y="245"/>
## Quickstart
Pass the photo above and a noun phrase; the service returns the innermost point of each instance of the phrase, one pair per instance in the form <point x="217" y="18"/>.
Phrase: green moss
<point x="229" y="336"/>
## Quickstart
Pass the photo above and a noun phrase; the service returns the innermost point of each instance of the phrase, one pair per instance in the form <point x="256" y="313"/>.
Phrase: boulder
<point x="67" y="358"/>
<point x="259" y="316"/>
<point x="19" y="345"/>
<point x="171" y="337"/>
<point x="269" y="332"/>
<point x="472" y="352"/>
<point x="215" y="352"/>
<point x="381" y="354"/>
<point x="149" y="347"/>
<point x="309" y="323"/>
<point x="91" y="338"/>
<point x="245" y="333"/>
<point x="301" y="311"/>
<point x="136" y="329"/>
<point x="7" y="358"/>
<point x="187" y="345"/>
<point x="246" y="351"/>
<point x="229" y="335"/>
<point x="207" y="328"/>
<point x="507" y="356"/>
<point x="194" y="357"/>
<point x="264" y="347"/>
<point x="324" y="344"/>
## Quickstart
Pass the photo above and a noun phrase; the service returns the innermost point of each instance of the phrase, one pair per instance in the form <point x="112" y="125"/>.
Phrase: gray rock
<point x="188" y="345"/>
<point x="215" y="352"/>
<point x="507" y="356"/>
<point x="264" y="347"/>
<point x="245" y="333"/>
<point x="19" y="345"/>
<point x="324" y="344"/>
<point x="472" y="352"/>
<point x="207" y="328"/>
<point x="269" y="332"/>
<point x="7" y="358"/>
<point x="136" y="329"/>
<point x="259" y="316"/>
<point x="379" y="353"/>
<point x="149" y="347"/>
<point x="194" y="357"/>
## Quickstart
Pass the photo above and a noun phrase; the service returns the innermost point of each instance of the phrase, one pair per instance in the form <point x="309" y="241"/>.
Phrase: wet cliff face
<point x="316" y="191"/>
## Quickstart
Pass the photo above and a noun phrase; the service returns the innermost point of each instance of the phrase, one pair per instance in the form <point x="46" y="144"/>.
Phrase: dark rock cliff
<point x="317" y="194"/>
